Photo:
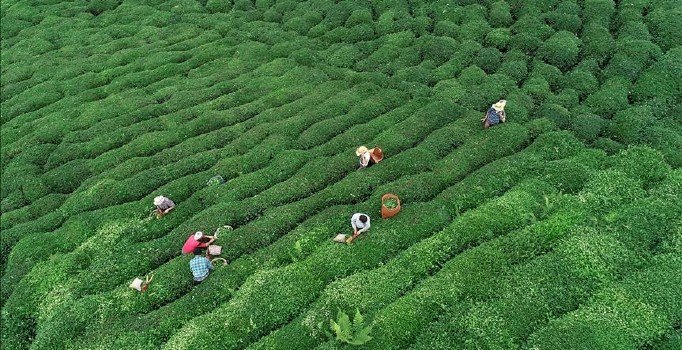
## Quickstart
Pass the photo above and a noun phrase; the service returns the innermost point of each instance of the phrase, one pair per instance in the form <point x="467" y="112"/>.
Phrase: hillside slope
<point x="560" y="228"/>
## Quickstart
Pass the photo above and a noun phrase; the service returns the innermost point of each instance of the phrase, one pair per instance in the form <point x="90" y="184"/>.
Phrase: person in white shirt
<point x="360" y="224"/>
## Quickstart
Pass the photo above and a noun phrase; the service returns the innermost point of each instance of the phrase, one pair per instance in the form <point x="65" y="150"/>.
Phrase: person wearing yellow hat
<point x="495" y="114"/>
<point x="163" y="205"/>
<point x="369" y="157"/>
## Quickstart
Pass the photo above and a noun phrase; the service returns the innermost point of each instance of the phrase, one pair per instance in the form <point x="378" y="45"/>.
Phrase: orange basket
<point x="377" y="154"/>
<point x="389" y="212"/>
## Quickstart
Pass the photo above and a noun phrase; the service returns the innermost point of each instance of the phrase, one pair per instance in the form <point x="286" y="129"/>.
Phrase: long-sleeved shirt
<point x="359" y="225"/>
<point x="191" y="244"/>
<point x="200" y="266"/>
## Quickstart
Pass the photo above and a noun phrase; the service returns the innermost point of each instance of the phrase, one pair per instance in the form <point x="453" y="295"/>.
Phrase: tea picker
<point x="200" y="240"/>
<point x="360" y="223"/>
<point x="200" y="266"/>
<point x="368" y="157"/>
<point x="495" y="114"/>
<point x="163" y="206"/>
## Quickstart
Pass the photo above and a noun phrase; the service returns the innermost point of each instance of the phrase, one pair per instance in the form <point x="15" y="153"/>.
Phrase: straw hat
<point x="499" y="106"/>
<point x="361" y="150"/>
<point x="158" y="200"/>
<point x="198" y="235"/>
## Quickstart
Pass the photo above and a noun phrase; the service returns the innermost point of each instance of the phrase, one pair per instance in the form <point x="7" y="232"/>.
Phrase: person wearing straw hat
<point x="495" y="114"/>
<point x="163" y="205"/>
<point x="200" y="266"/>
<point x="369" y="157"/>
<point x="197" y="240"/>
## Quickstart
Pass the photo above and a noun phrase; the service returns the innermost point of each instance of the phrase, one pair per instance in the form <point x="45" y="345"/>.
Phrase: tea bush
<point x="630" y="313"/>
<point x="560" y="50"/>
<point x="597" y="42"/>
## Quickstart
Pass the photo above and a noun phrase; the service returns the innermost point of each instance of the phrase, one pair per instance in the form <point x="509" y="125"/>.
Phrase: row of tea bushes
<point x="530" y="295"/>
<point x="250" y="263"/>
<point x="368" y="290"/>
<point x="88" y="197"/>
<point x="396" y="159"/>
<point x="474" y="204"/>
<point x="631" y="313"/>
<point x="464" y="273"/>
<point x="118" y="259"/>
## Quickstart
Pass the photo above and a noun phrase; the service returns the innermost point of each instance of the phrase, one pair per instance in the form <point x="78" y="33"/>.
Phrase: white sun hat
<point x="158" y="200"/>
<point x="500" y="105"/>
<point x="198" y="235"/>
<point x="361" y="150"/>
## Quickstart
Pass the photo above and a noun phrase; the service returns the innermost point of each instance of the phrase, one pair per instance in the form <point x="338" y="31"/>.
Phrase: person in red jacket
<point x="197" y="240"/>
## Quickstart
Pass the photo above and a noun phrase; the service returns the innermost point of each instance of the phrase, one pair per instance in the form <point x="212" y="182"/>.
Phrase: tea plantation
<point x="559" y="229"/>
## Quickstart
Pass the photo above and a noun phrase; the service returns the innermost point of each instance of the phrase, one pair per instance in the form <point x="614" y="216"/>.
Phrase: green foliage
<point x="587" y="126"/>
<point x="566" y="17"/>
<point x="628" y="314"/>
<point x="598" y="12"/>
<point x="559" y="228"/>
<point x="607" y="189"/>
<point x="630" y="126"/>
<point x="597" y="42"/>
<point x="611" y="97"/>
<point x="355" y="333"/>
<point x="642" y="163"/>
<point x="488" y="59"/>
<point x="499" y="14"/>
<point x="560" y="50"/>
<point x="665" y="29"/>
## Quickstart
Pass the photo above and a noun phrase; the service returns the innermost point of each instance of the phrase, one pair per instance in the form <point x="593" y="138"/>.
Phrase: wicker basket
<point x="389" y="212"/>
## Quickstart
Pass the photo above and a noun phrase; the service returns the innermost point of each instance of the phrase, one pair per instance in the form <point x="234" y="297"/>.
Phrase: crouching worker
<point x="369" y="157"/>
<point x="197" y="240"/>
<point x="360" y="224"/>
<point x="163" y="206"/>
<point x="200" y="266"/>
<point x="495" y="114"/>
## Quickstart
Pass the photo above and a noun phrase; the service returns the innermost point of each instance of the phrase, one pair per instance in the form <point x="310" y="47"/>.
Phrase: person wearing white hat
<point x="163" y="205"/>
<point x="495" y="114"/>
<point x="197" y="240"/>
<point x="369" y="157"/>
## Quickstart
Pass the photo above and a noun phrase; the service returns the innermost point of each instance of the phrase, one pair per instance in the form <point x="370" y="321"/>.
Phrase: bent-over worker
<point x="197" y="240"/>
<point x="200" y="266"/>
<point x="495" y="114"/>
<point x="360" y="224"/>
<point x="163" y="205"/>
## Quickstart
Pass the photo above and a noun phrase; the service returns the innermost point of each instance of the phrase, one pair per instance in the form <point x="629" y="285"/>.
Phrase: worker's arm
<point x="503" y="116"/>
